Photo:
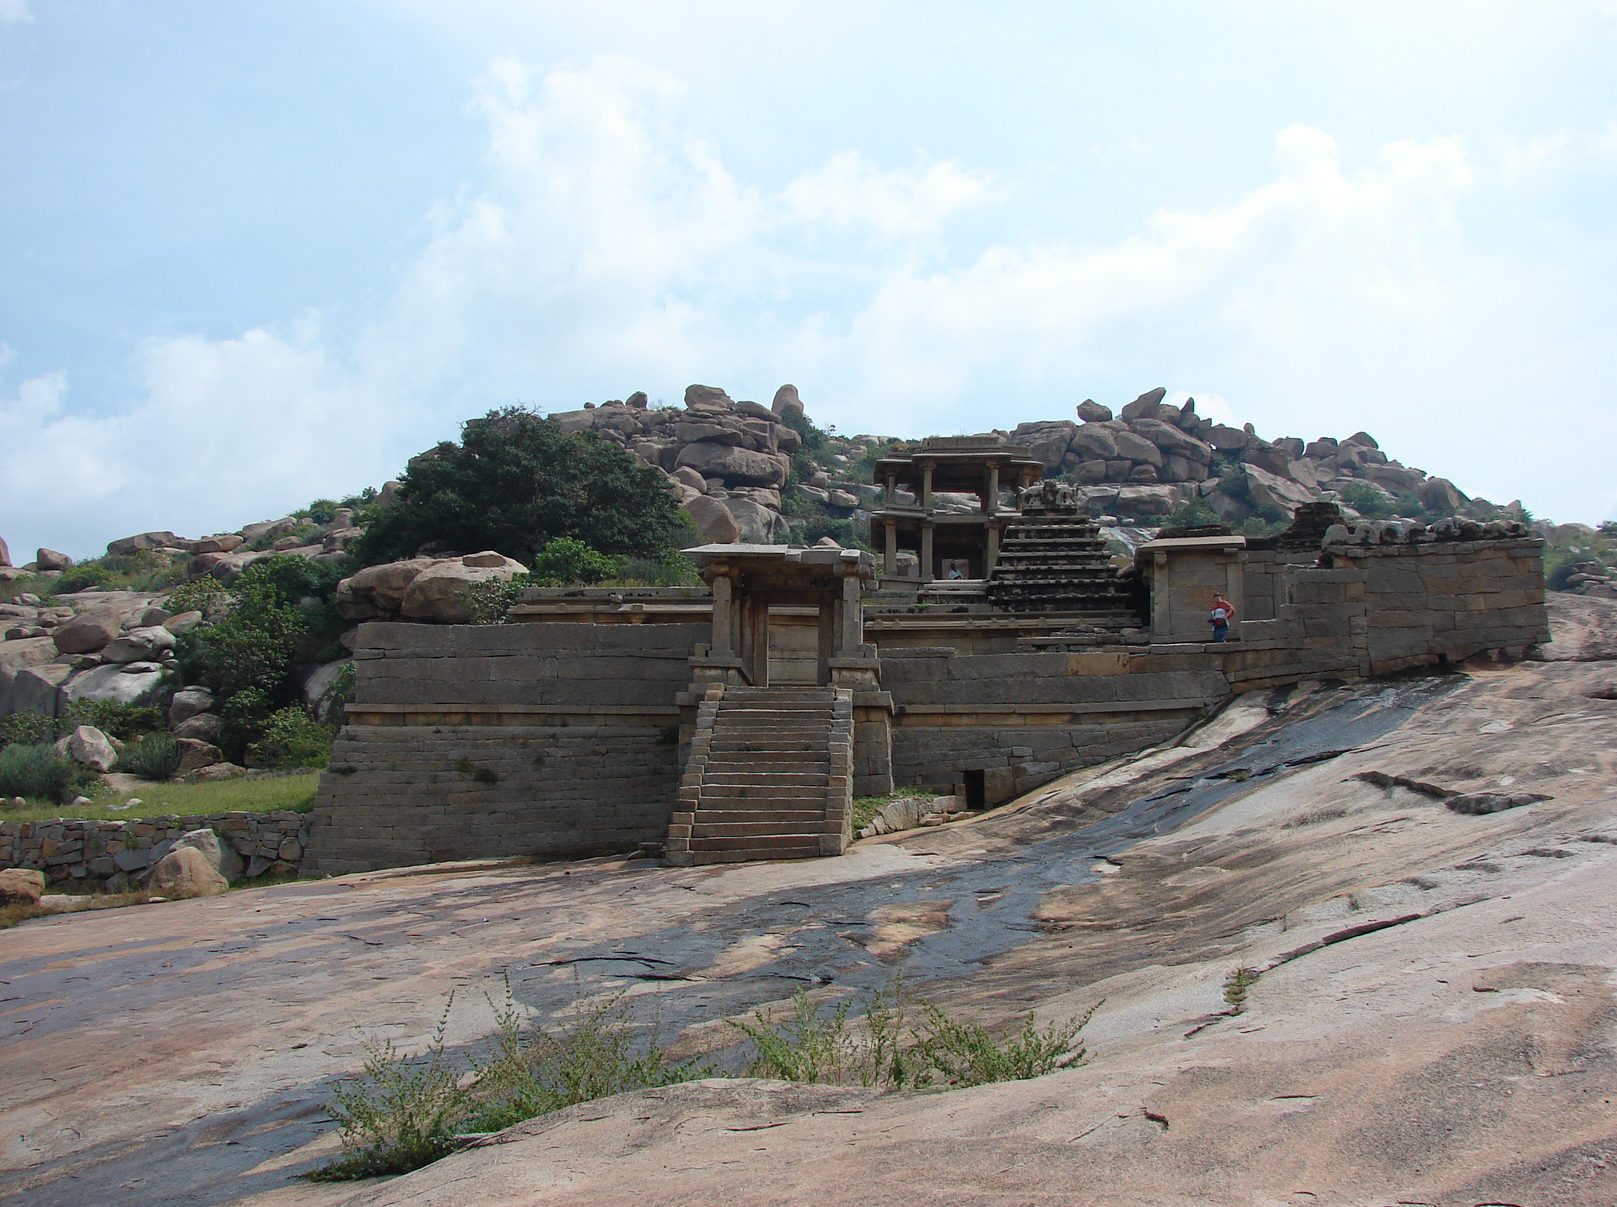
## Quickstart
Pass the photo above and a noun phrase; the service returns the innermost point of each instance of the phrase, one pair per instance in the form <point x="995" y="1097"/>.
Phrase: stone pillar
<point x="1234" y="584"/>
<point x="889" y="560"/>
<point x="926" y="550"/>
<point x="992" y="502"/>
<point x="852" y="634"/>
<point x="758" y="640"/>
<point x="926" y="485"/>
<point x="826" y="648"/>
<point x="1160" y="610"/>
<point x="892" y="488"/>
<point x="993" y="550"/>
<point x="723" y="616"/>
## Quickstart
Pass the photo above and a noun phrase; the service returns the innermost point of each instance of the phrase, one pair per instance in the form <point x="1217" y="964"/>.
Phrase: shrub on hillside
<point x="41" y="772"/>
<point x="27" y="729"/>
<point x="155" y="757"/>
<point x="126" y="722"/>
<point x="517" y="482"/>
<point x="290" y="737"/>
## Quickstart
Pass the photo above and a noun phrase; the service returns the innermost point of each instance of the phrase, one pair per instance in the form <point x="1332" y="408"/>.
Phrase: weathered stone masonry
<point x="471" y="741"/>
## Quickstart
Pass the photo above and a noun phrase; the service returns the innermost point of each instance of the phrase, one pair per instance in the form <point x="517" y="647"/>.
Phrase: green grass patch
<point x="249" y="794"/>
<point x="1236" y="985"/>
<point x="865" y="808"/>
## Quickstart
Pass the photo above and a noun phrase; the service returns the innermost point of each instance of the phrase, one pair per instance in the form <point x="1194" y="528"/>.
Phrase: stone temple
<point x="992" y="644"/>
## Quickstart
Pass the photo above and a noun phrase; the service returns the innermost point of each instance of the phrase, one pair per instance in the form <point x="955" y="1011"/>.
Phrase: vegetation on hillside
<point x="515" y="483"/>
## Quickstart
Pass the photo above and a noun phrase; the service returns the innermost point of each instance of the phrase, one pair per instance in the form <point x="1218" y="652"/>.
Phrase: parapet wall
<point x="529" y="739"/>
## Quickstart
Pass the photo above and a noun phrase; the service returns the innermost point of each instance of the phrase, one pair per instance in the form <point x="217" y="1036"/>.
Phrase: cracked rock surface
<point x="1428" y="1012"/>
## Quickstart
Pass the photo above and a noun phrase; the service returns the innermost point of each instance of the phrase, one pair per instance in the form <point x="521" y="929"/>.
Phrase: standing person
<point x="1223" y="612"/>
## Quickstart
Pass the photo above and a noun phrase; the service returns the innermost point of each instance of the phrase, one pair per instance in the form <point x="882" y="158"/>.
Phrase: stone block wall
<point x="468" y="742"/>
<point x="112" y="856"/>
<point x="1020" y="720"/>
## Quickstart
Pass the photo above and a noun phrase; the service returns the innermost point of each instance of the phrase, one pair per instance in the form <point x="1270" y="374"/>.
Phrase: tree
<point x="514" y="483"/>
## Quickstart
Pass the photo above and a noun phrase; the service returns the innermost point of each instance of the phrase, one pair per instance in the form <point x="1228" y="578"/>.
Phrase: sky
<point x="261" y="253"/>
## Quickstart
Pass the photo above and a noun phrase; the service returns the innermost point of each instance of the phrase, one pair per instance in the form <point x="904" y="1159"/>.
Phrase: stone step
<point x="760" y="743"/>
<point x="773" y="821"/>
<point x="770" y="846"/>
<point x="735" y="778"/>
<point x="732" y="796"/>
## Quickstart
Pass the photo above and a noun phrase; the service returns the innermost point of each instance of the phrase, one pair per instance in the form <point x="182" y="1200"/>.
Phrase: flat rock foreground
<point x="1432" y="1019"/>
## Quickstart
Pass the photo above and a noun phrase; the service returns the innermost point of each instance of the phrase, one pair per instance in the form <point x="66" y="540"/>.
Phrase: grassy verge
<point x="865" y="808"/>
<point x="406" y="1111"/>
<point x="249" y="794"/>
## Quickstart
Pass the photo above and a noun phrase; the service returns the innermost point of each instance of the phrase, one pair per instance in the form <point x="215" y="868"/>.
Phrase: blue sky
<point x="257" y="253"/>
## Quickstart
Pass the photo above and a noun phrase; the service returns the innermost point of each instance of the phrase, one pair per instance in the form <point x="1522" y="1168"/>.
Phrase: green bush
<point x="205" y="595"/>
<point x="155" y="757"/>
<point x="516" y="482"/>
<point x="41" y="772"/>
<point x="1365" y="499"/>
<point x="566" y="562"/>
<point x="290" y="737"/>
<point x="126" y="722"/>
<point x="28" y="729"/>
<point x="143" y="570"/>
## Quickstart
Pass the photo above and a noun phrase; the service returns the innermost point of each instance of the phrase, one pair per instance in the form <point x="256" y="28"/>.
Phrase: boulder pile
<point x="1153" y="459"/>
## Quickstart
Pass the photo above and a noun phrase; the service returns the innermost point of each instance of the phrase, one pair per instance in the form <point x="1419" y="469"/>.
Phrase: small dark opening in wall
<point x="976" y="797"/>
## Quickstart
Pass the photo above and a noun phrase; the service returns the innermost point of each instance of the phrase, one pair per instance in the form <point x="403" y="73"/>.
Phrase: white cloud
<point x="849" y="191"/>
<point x="610" y="248"/>
<point x="14" y="12"/>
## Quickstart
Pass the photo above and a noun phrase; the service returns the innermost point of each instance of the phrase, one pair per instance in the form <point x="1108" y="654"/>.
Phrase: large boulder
<point x="221" y="856"/>
<point x="1091" y="411"/>
<point x="5" y="553"/>
<point x="787" y="404"/>
<point x="188" y="702"/>
<point x="1137" y="449"/>
<point x="378" y="590"/>
<point x="1171" y="440"/>
<point x="50" y="559"/>
<point x="227" y="543"/>
<point x="89" y="747"/>
<point x="41" y="688"/>
<point x="706" y="398"/>
<point x="1094" y="442"/>
<point x="1145" y="406"/>
<point x="127" y="683"/>
<point x="757" y="523"/>
<point x="1267" y="489"/>
<point x="439" y="592"/>
<point x="736" y="466"/>
<point x="1440" y="498"/>
<point x="87" y="632"/>
<point x="185" y="872"/>
<point x="196" y="755"/>
<point x="1228" y="439"/>
<point x="17" y="656"/>
<point x="139" y="645"/>
<point x="1049" y="441"/>
<point x="201" y="727"/>
<point x="1146" y="501"/>
<point x="21" y="886"/>
<point x="124" y="546"/>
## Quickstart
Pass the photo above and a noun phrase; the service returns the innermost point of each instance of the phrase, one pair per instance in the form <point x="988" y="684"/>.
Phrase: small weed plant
<point x="1236" y="985"/>
<point x="406" y="1111"/>
<point x="901" y="1042"/>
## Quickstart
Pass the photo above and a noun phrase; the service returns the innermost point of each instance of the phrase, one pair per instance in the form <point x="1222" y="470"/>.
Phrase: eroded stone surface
<point x="1433" y="1020"/>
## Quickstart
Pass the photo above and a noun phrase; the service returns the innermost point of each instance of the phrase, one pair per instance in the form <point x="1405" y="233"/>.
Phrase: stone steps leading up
<point x="769" y="776"/>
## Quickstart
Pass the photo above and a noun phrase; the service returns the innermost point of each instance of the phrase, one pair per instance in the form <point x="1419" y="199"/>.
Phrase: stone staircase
<point x="769" y="776"/>
<point x="1053" y="562"/>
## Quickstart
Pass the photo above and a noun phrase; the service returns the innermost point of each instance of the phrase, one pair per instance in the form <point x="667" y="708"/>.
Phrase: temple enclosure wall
<point x="475" y="741"/>
<point x="564" y="738"/>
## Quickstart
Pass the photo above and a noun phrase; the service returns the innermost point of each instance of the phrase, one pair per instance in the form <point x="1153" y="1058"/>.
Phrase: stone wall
<point x="1019" y="720"/>
<point x="112" y="856"/>
<point x="479" y="741"/>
